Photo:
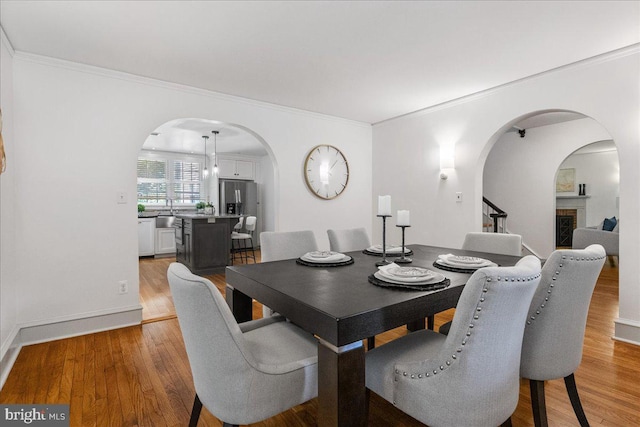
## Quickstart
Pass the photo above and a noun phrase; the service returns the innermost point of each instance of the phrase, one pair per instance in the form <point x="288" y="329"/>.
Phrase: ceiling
<point x="185" y="136"/>
<point x="597" y="147"/>
<point x="367" y="61"/>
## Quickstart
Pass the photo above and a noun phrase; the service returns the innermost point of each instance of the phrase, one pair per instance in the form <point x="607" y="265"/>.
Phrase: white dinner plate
<point x="337" y="257"/>
<point x="436" y="278"/>
<point x="407" y="274"/>
<point x="458" y="259"/>
<point x="390" y="249"/>
<point x="447" y="263"/>
<point x="321" y="254"/>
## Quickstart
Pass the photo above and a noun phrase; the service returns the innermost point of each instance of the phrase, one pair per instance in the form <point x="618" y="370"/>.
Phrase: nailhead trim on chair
<point x="454" y="357"/>
<point x="553" y="279"/>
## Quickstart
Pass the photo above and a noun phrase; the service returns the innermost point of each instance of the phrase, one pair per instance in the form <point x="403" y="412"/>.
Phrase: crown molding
<point x="583" y="63"/>
<point x="7" y="42"/>
<point x="120" y="75"/>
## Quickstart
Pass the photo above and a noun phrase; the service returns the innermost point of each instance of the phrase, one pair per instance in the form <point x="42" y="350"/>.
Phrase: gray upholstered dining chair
<point x="495" y="243"/>
<point x="554" y="334"/>
<point x="280" y="245"/>
<point x="237" y="367"/>
<point x="347" y="240"/>
<point x="472" y="376"/>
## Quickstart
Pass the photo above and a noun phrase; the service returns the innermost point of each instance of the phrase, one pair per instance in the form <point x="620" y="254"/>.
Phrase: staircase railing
<point x="495" y="219"/>
<point x="497" y="216"/>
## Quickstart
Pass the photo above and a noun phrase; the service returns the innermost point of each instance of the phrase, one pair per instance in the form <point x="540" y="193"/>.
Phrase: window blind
<point x="162" y="176"/>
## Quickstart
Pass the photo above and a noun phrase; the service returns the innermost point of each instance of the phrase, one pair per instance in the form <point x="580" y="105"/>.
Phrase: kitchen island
<point x="203" y="242"/>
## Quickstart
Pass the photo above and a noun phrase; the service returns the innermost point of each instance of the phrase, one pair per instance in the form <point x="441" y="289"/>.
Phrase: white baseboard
<point x="10" y="350"/>
<point x="34" y="334"/>
<point x="627" y="330"/>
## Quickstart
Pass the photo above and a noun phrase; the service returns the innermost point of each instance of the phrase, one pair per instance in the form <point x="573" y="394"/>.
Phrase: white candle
<point x="384" y="205"/>
<point x="403" y="218"/>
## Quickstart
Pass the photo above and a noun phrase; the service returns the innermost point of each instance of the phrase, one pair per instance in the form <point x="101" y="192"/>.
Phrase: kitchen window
<point x="169" y="176"/>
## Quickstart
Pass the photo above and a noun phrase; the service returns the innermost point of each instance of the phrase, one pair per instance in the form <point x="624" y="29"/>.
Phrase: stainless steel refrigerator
<point x="238" y="197"/>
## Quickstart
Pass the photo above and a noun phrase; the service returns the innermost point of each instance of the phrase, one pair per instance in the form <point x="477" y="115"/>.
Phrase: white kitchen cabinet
<point x="146" y="236"/>
<point x="236" y="169"/>
<point x="165" y="241"/>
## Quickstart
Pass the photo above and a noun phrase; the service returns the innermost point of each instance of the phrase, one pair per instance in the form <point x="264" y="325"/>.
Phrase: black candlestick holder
<point x="384" y="261"/>
<point x="403" y="259"/>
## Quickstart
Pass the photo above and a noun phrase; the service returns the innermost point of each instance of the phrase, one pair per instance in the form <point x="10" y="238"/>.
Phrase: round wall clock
<point x="326" y="171"/>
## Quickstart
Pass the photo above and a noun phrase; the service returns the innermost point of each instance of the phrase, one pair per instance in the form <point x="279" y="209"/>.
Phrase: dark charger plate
<point x="430" y="287"/>
<point x="324" y="264"/>
<point x="455" y="269"/>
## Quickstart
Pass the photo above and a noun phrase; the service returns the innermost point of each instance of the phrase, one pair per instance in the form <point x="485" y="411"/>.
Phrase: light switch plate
<point x="459" y="197"/>
<point x="122" y="197"/>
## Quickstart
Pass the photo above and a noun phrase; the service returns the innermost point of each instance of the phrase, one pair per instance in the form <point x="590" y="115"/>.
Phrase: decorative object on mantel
<point x="3" y="158"/>
<point x="566" y="181"/>
<point x="384" y="212"/>
<point x="582" y="189"/>
<point x="403" y="221"/>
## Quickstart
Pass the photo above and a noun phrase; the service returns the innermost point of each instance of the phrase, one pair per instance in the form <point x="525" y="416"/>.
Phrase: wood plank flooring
<point x="155" y="296"/>
<point x="140" y="376"/>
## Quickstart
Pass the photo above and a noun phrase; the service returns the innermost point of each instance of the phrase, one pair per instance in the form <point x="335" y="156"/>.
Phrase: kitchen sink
<point x="165" y="221"/>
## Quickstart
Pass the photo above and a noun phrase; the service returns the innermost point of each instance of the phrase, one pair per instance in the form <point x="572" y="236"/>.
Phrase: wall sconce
<point x="447" y="160"/>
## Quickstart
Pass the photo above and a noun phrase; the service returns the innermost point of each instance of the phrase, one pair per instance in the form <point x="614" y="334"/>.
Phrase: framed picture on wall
<point x="566" y="181"/>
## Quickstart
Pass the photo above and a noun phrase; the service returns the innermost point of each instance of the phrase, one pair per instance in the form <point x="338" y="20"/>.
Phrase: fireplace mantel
<point x="579" y="203"/>
<point x="571" y="196"/>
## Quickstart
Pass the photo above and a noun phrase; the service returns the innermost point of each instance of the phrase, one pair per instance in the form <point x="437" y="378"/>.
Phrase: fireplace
<point x="566" y="222"/>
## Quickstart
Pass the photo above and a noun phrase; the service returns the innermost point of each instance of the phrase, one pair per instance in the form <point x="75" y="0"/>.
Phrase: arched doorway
<point x="520" y="170"/>
<point x="176" y="172"/>
<point x="587" y="193"/>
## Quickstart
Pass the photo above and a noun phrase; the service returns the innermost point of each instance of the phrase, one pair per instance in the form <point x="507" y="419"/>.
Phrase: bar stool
<point x="241" y="238"/>
<point x="235" y="249"/>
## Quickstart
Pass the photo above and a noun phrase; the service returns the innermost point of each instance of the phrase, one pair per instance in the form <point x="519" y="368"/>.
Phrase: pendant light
<point x="215" y="151"/>
<point x="205" y="173"/>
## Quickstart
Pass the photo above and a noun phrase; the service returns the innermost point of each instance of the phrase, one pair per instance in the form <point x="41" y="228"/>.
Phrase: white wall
<point x="266" y="193"/>
<point x="8" y="272"/>
<point x="78" y="132"/>
<point x="519" y="176"/>
<point x="406" y="156"/>
<point x="601" y="174"/>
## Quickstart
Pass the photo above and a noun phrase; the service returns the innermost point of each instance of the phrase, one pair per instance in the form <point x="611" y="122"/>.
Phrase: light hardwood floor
<point x="139" y="376"/>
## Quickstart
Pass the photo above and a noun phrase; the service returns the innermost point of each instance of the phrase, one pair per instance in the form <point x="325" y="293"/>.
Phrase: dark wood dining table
<point x="341" y="308"/>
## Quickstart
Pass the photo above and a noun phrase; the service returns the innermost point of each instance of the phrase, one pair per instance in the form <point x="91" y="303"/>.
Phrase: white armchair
<point x="583" y="237"/>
